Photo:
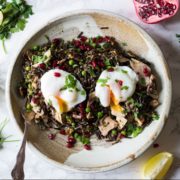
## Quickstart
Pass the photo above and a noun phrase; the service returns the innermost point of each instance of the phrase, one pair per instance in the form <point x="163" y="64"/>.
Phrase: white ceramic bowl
<point x="102" y="157"/>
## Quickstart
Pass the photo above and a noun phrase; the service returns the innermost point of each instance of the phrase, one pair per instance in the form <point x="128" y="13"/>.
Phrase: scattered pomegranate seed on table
<point x="51" y="136"/>
<point x="156" y="145"/>
<point x="87" y="147"/>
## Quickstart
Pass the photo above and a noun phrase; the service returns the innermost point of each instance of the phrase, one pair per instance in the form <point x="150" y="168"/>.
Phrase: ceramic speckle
<point x="103" y="156"/>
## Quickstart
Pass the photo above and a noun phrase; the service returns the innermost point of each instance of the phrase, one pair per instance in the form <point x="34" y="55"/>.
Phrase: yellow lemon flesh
<point x="157" y="166"/>
<point x="1" y="17"/>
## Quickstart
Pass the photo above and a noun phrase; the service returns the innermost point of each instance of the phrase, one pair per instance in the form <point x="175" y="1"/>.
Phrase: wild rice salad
<point x="73" y="87"/>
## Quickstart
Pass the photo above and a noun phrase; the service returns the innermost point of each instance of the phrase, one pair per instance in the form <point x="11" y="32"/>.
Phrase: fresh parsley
<point x="124" y="88"/>
<point x="124" y="71"/>
<point x="13" y="17"/>
<point x="103" y="81"/>
<point x="70" y="81"/>
<point x="155" y="116"/>
<point x="133" y="130"/>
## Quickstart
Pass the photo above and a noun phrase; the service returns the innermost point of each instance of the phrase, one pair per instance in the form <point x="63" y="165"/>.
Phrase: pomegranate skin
<point x="154" y="11"/>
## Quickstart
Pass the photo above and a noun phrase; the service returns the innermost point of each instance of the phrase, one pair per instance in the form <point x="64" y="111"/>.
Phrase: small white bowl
<point x="103" y="157"/>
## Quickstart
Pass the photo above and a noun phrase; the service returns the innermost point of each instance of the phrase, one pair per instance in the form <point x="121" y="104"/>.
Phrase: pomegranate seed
<point x="57" y="74"/>
<point x="107" y="39"/>
<point x="42" y="66"/>
<point x="87" y="147"/>
<point x="100" y="40"/>
<point x="69" y="145"/>
<point x="35" y="100"/>
<point x="110" y="69"/>
<point x="71" y="140"/>
<point x="62" y="131"/>
<point x="83" y="38"/>
<point x="51" y="136"/>
<point x="56" y="41"/>
<point x="54" y="64"/>
<point x="146" y="71"/>
<point x="121" y="136"/>
<point x="156" y="145"/>
<point x="87" y="134"/>
<point x="120" y="82"/>
<point x="77" y="43"/>
<point x="94" y="64"/>
<point x="94" y="40"/>
<point x="82" y="47"/>
<point x="101" y="64"/>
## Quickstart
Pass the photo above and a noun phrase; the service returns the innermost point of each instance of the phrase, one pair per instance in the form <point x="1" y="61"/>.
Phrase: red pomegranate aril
<point x="51" y="136"/>
<point x="77" y="43"/>
<point x="121" y="136"/>
<point x="87" y="147"/>
<point x="42" y="66"/>
<point x="35" y="100"/>
<point x="57" y="74"/>
<point x="83" y="38"/>
<point x="62" y="131"/>
<point x="110" y="69"/>
<point x="71" y="140"/>
<point x="94" y="64"/>
<point x="146" y="71"/>
<point x="69" y="145"/>
<point x="54" y="64"/>
<point x="100" y="39"/>
<point x="120" y="82"/>
<point x="56" y="41"/>
<point x="107" y="39"/>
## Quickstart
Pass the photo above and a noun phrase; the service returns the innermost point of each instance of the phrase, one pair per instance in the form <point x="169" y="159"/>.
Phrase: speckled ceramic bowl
<point x="103" y="156"/>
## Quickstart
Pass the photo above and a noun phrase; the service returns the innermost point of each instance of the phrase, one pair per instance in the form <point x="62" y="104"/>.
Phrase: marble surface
<point x="163" y="33"/>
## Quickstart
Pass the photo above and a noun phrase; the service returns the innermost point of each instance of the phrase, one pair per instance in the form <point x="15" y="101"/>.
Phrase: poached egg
<point x="61" y="90"/>
<point x="116" y="85"/>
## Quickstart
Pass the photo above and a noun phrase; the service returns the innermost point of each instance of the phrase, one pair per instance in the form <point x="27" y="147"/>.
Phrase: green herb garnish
<point x="155" y="116"/>
<point x="124" y="43"/>
<point x="70" y="81"/>
<point x="124" y="71"/>
<point x="124" y="88"/>
<point x="13" y="17"/>
<point x="83" y="92"/>
<point x="133" y="130"/>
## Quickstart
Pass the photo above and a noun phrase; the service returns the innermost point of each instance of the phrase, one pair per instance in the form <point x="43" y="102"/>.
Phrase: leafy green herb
<point x="83" y="92"/>
<point x="124" y="88"/>
<point x="2" y="138"/>
<point x="133" y="131"/>
<point x="124" y="71"/>
<point x="155" y="116"/>
<point x="13" y="17"/>
<point x="70" y="81"/>
<point x="107" y="62"/>
<point x="102" y="81"/>
<point x="142" y="81"/>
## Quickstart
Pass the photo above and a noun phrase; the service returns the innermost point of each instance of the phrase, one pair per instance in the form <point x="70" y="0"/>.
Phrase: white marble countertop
<point x="164" y="35"/>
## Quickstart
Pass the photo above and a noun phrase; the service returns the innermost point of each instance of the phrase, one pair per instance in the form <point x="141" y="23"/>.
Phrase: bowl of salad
<point x="96" y="88"/>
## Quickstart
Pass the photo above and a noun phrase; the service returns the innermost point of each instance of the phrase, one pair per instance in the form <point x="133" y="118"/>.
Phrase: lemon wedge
<point x="1" y="17"/>
<point x="157" y="166"/>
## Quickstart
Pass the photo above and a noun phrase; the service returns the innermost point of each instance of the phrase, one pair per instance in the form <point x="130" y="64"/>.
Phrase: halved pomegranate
<point x="153" y="11"/>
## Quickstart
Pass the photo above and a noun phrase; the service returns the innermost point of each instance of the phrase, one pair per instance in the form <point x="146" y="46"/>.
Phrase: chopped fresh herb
<point x="114" y="132"/>
<point x="142" y="81"/>
<point x="71" y="62"/>
<point x="155" y="116"/>
<point x="107" y="62"/>
<point x="124" y="71"/>
<point x="83" y="92"/>
<point x="13" y="17"/>
<point x="103" y="81"/>
<point x="124" y="88"/>
<point x="133" y="131"/>
<point x="49" y="102"/>
<point x="70" y="81"/>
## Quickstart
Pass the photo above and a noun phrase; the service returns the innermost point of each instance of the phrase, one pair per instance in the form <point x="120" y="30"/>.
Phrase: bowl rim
<point x="70" y="14"/>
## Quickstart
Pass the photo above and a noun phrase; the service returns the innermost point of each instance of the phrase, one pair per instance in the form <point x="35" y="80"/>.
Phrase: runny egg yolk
<point x="115" y="104"/>
<point x="62" y="104"/>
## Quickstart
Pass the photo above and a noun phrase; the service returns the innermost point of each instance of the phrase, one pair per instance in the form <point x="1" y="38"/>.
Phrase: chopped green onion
<point x="71" y="62"/>
<point x="88" y="109"/>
